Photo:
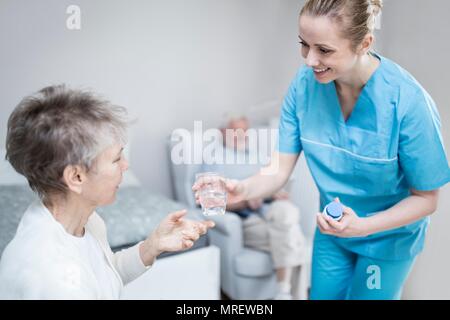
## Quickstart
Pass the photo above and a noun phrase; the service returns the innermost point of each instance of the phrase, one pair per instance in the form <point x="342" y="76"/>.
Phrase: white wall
<point x="169" y="62"/>
<point x="415" y="34"/>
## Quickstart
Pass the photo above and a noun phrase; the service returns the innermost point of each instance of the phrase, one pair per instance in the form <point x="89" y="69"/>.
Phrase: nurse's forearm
<point x="262" y="186"/>
<point x="272" y="178"/>
<point x="418" y="205"/>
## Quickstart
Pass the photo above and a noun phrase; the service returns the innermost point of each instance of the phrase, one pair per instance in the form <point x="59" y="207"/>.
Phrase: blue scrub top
<point x="390" y="143"/>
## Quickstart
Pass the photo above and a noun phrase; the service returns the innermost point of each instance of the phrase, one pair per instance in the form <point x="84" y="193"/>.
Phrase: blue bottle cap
<point x="334" y="209"/>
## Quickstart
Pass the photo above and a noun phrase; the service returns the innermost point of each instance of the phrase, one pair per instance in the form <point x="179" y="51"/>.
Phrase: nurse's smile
<point x="321" y="73"/>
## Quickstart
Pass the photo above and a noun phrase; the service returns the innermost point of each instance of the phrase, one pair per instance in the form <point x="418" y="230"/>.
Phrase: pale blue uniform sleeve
<point x="289" y="129"/>
<point x="421" y="149"/>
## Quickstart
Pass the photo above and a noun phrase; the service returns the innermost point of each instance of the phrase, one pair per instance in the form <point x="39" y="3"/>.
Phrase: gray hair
<point x="57" y="127"/>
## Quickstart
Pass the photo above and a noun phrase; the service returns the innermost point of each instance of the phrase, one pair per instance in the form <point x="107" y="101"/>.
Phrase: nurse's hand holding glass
<point x="234" y="188"/>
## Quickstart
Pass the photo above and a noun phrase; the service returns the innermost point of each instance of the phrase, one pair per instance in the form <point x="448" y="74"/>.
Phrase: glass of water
<point x="212" y="193"/>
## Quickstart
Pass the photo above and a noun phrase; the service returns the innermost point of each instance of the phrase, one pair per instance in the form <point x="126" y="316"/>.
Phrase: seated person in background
<point x="68" y="144"/>
<point x="271" y="225"/>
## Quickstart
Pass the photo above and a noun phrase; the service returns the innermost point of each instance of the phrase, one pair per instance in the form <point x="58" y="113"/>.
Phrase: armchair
<point x="246" y="273"/>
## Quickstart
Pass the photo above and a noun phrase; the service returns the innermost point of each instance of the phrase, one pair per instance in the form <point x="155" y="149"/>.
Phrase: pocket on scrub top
<point x="376" y="171"/>
<point x="376" y="177"/>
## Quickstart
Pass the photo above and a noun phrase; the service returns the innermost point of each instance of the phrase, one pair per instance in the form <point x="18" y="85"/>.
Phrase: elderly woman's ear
<point x="74" y="176"/>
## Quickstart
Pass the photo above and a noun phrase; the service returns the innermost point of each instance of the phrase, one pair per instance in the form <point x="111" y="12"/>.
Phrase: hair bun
<point x="376" y="5"/>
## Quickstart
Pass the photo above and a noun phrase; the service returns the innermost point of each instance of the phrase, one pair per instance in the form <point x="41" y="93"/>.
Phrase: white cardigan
<point x="40" y="262"/>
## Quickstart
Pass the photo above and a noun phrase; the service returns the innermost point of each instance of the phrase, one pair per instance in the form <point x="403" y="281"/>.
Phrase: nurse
<point x="371" y="137"/>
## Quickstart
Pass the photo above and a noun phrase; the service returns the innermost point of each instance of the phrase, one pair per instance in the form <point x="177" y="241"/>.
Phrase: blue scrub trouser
<point x="338" y="274"/>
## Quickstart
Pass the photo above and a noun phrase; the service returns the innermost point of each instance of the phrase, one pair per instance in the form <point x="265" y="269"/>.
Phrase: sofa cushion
<point x="253" y="263"/>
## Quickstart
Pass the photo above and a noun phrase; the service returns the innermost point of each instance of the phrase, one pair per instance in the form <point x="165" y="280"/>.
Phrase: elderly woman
<point x="68" y="144"/>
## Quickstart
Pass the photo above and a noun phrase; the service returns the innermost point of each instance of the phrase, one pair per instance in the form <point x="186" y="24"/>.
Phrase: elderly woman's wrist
<point x="149" y="250"/>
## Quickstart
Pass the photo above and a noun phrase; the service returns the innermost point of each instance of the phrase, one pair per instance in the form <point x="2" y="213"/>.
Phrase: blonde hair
<point x="357" y="17"/>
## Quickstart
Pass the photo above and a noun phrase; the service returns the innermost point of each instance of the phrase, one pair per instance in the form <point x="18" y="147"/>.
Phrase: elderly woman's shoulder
<point x="26" y="263"/>
<point x="30" y="246"/>
<point x="35" y="241"/>
<point x="41" y="276"/>
<point x="38" y="265"/>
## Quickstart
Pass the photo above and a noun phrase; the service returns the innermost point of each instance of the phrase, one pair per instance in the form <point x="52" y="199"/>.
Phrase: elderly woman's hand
<point x="174" y="233"/>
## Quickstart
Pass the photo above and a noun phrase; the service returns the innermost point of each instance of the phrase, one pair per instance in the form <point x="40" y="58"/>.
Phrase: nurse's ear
<point x="73" y="177"/>
<point x="365" y="45"/>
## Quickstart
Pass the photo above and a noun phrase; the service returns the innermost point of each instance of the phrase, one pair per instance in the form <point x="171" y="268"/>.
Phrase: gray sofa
<point x="132" y="217"/>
